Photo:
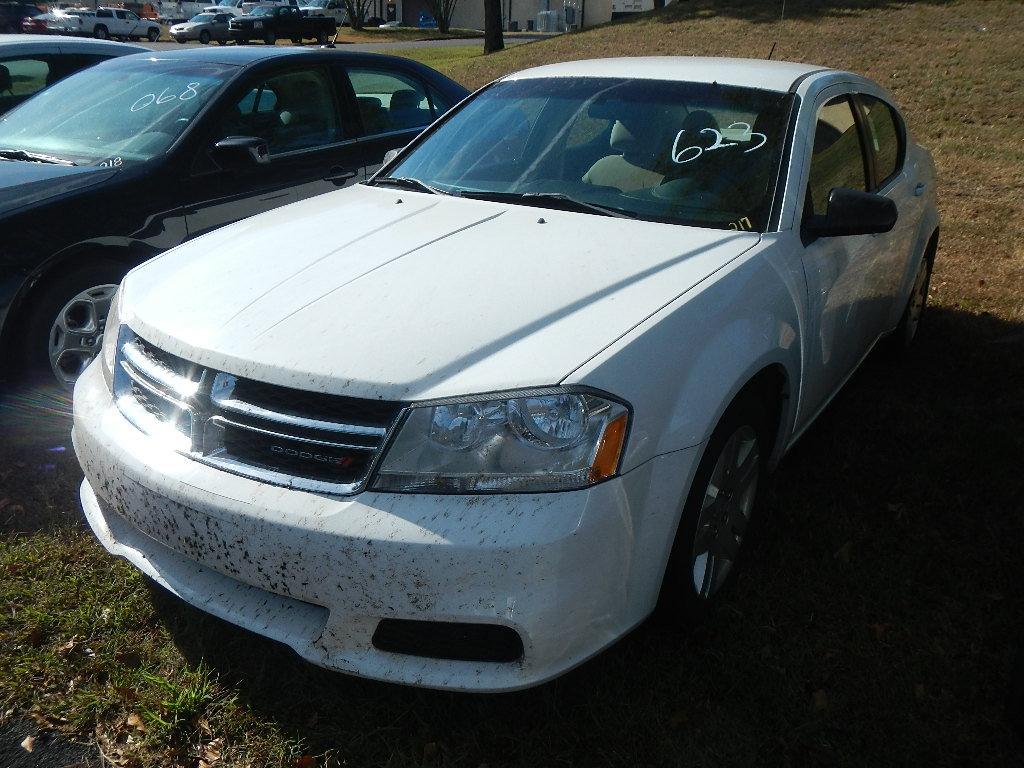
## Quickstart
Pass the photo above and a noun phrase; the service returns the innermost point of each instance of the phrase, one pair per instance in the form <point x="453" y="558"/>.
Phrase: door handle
<point x="919" y="189"/>
<point x="339" y="175"/>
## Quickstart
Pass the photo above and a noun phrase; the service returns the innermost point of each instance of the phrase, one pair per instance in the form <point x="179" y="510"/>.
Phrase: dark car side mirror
<point x="851" y="212"/>
<point x="241" y="152"/>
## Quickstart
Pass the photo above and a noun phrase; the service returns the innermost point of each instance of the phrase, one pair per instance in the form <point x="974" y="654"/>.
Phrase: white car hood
<point x="380" y="293"/>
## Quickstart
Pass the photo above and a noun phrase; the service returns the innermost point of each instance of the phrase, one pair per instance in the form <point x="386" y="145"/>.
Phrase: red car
<point x="11" y="15"/>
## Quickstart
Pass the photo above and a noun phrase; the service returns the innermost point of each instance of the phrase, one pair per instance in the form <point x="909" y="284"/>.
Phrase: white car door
<point x="848" y="278"/>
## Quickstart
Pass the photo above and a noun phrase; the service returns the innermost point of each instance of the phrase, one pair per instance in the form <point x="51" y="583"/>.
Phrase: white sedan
<point x="465" y="425"/>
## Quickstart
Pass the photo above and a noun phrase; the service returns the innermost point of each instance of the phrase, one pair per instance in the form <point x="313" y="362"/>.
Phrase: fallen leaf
<point x="28" y="743"/>
<point x="136" y="722"/>
<point x="820" y="700"/>
<point x="306" y="761"/>
<point x="211" y="753"/>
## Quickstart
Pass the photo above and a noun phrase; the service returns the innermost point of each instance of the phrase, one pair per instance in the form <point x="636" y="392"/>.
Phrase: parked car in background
<point x="118" y="23"/>
<point x="51" y="23"/>
<point x="249" y="5"/>
<point x="283" y="22"/>
<point x="149" y="151"/>
<point x="334" y="9"/>
<point x="233" y="7"/>
<point x="466" y="425"/>
<point x="13" y="14"/>
<point x="30" y="63"/>
<point x="203" y="27"/>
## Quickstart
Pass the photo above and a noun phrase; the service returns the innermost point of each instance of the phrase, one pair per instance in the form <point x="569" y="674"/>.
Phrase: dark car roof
<point x="242" y="55"/>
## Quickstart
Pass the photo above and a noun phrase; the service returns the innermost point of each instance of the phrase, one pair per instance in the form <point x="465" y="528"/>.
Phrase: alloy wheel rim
<point x="77" y="333"/>
<point x="918" y="299"/>
<point x="725" y="512"/>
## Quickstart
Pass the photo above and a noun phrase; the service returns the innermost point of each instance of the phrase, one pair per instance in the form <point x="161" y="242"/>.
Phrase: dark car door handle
<point x="919" y="189"/>
<point x="340" y="175"/>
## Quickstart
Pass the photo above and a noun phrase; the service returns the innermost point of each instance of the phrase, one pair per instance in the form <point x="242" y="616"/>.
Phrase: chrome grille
<point x="306" y="440"/>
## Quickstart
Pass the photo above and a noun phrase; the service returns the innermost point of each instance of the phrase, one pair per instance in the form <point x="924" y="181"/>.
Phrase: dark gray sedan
<point x="203" y="27"/>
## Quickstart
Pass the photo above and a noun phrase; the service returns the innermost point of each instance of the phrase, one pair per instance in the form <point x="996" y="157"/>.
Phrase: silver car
<point x="203" y="27"/>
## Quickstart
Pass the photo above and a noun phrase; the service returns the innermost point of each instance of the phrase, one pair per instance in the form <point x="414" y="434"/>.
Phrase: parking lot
<point x="877" y="623"/>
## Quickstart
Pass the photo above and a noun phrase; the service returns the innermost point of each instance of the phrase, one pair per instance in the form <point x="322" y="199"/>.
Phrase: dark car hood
<point x="23" y="183"/>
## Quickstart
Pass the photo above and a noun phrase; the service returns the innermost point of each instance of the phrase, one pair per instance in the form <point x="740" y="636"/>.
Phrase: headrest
<point x="368" y="103"/>
<point x="5" y="79"/>
<point x="405" y="99"/>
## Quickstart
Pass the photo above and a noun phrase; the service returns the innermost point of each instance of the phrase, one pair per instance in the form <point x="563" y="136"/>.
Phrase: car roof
<point x="749" y="73"/>
<point x="241" y="55"/>
<point x="12" y="44"/>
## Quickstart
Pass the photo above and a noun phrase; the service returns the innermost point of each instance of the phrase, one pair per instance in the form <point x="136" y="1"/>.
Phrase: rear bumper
<point x="569" y="572"/>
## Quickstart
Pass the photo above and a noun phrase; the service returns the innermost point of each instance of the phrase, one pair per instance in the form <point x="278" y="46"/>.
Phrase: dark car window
<point x="291" y="111"/>
<point x="389" y="101"/>
<point x="886" y="137"/>
<point x="838" y="157"/>
<point x="20" y="78"/>
<point x="103" y="13"/>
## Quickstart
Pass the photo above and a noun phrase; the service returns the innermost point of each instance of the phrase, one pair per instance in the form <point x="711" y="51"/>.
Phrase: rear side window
<point x="886" y="136"/>
<point x="390" y="101"/>
<point x="838" y="158"/>
<point x="20" y="78"/>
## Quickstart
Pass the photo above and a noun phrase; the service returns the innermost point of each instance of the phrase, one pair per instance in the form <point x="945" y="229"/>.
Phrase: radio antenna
<point x="772" y="50"/>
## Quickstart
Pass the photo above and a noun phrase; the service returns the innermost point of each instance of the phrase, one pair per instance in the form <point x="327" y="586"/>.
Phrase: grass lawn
<point x="879" y="617"/>
<point x="402" y="34"/>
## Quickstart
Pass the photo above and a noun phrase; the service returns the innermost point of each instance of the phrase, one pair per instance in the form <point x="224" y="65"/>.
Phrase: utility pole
<point x="493" y="39"/>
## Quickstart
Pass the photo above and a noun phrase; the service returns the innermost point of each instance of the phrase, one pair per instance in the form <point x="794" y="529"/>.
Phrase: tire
<point x="179" y="41"/>
<point x="100" y="32"/>
<point x="321" y="38"/>
<point x="204" y="37"/>
<point x="903" y="337"/>
<point x="695" y="580"/>
<point x="270" y="38"/>
<point x="47" y="308"/>
<point x="296" y="41"/>
<point x="222" y="42"/>
<point x="153" y="34"/>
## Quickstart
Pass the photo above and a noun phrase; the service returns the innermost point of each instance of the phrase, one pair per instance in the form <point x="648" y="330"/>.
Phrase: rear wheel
<point x="720" y="514"/>
<point x="100" y="32"/>
<point x="153" y="34"/>
<point x="321" y="38"/>
<point x="66" y="328"/>
<point x="296" y="41"/>
<point x="204" y="37"/>
<point x="270" y="38"/>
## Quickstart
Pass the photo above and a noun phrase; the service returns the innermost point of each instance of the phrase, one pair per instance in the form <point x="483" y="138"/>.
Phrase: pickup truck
<point x="105" y="23"/>
<point x="270" y="23"/>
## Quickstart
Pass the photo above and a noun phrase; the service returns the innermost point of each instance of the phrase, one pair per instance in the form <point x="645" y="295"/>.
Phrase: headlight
<point x="110" y="333"/>
<point x="520" y="442"/>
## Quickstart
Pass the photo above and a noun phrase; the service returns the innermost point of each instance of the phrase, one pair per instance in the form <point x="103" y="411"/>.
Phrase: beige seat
<point x="638" y="166"/>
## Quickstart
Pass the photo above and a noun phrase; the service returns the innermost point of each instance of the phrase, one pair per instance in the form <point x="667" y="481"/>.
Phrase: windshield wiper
<point x="407" y="182"/>
<point x="556" y="200"/>
<point x="33" y="157"/>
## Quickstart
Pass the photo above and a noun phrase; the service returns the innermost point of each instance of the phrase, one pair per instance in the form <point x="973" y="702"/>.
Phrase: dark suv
<point x="12" y="14"/>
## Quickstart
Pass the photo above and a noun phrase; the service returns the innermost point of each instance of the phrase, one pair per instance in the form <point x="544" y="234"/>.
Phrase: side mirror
<point x="850" y="212"/>
<point x="390" y="155"/>
<point x="241" y="152"/>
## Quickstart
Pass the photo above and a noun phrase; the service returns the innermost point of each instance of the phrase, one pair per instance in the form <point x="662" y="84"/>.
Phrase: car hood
<point x="375" y="293"/>
<point x="24" y="183"/>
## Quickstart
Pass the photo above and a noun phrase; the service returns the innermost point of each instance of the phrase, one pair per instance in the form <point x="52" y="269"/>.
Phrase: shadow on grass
<point x="876" y="622"/>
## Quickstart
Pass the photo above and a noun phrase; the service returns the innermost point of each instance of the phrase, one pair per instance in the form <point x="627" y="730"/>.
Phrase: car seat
<point x="375" y="119"/>
<point x="640" y="165"/>
<point x="6" y="83"/>
<point x="405" y="110"/>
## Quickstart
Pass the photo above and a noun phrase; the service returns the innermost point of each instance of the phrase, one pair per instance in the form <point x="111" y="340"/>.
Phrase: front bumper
<point x="570" y="572"/>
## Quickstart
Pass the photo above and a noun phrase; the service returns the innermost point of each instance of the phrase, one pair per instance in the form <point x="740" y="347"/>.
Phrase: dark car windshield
<point x="262" y="10"/>
<point x="120" y="112"/>
<point x="202" y="18"/>
<point x="689" y="153"/>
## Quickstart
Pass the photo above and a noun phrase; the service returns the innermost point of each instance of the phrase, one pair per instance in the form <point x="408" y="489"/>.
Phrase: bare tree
<point x="442" y="11"/>
<point x="357" y="11"/>
<point x="493" y="39"/>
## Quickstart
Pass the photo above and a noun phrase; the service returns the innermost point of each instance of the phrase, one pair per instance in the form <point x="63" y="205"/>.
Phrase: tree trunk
<point x="493" y="39"/>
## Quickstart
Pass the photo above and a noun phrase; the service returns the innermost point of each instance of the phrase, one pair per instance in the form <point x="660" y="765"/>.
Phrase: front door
<point x="842" y="272"/>
<point x="313" y="149"/>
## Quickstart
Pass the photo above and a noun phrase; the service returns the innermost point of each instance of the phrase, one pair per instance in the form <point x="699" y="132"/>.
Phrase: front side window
<point x="389" y="101"/>
<point x="290" y="111"/>
<point x="685" y="153"/>
<point x="838" y="157"/>
<point x="886" y="138"/>
<point x="123" y="111"/>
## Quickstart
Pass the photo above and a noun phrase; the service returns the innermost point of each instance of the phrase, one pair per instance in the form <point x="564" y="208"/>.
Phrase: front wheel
<point x="204" y="37"/>
<point x="153" y="35"/>
<point x="65" y="331"/>
<point x="903" y="337"/>
<point x="270" y="38"/>
<point x="720" y="513"/>
<point x="100" y="32"/>
<point x="321" y="38"/>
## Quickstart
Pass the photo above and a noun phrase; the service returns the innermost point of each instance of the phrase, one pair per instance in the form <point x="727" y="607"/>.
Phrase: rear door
<point x="313" y="147"/>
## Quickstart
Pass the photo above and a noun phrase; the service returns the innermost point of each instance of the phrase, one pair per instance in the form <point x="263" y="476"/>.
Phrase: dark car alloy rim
<point x="725" y="511"/>
<point x="77" y="333"/>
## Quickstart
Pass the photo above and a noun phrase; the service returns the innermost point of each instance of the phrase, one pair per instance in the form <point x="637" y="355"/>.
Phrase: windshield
<point x="121" y="112"/>
<point x="685" y="153"/>
<point x="201" y="18"/>
<point x="262" y="10"/>
<point x="317" y="4"/>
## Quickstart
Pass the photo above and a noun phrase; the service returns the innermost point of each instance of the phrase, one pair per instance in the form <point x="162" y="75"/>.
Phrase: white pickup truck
<point x="105" y="23"/>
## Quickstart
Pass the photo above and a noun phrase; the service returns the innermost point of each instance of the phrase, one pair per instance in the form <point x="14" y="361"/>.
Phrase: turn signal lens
<point x="606" y="462"/>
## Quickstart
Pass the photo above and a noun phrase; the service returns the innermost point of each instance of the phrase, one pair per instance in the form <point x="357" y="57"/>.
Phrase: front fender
<point x="682" y="367"/>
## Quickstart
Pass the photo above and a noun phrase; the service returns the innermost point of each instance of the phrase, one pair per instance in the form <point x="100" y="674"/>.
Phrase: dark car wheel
<point x="321" y="38"/>
<point x="720" y="514"/>
<point x="100" y="32"/>
<point x="65" y="330"/>
<point x="153" y="35"/>
<point x="204" y="37"/>
<point x="270" y="38"/>
<point x="222" y="42"/>
<point x="296" y="41"/>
